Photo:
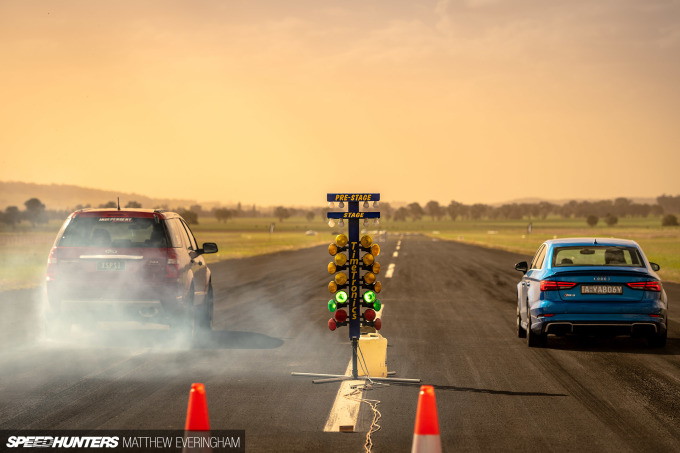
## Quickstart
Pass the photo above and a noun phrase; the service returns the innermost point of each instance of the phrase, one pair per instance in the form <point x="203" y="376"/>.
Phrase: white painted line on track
<point x="390" y="271"/>
<point x="344" y="411"/>
<point x="395" y="254"/>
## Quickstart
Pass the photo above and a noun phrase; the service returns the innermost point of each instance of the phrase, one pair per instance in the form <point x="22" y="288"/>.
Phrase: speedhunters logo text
<point x="123" y="440"/>
<point x="62" y="442"/>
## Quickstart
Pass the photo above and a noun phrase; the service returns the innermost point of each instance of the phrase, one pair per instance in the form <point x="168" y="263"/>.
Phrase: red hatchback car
<point x="131" y="264"/>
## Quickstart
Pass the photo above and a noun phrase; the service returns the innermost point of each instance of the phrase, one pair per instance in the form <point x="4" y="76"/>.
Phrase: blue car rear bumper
<point x="623" y="324"/>
<point x="647" y="317"/>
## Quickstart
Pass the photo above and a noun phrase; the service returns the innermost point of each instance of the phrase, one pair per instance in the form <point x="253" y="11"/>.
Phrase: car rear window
<point x="596" y="256"/>
<point x="117" y="232"/>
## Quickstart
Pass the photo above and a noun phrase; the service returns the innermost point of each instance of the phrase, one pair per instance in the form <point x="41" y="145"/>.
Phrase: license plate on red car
<point x="111" y="265"/>
<point x="601" y="289"/>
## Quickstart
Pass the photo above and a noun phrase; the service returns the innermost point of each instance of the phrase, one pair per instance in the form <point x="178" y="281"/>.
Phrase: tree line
<point x="621" y="207"/>
<point x="609" y="211"/>
<point x="36" y="213"/>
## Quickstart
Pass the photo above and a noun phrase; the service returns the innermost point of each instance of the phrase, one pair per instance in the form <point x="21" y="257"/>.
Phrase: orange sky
<point x="274" y="102"/>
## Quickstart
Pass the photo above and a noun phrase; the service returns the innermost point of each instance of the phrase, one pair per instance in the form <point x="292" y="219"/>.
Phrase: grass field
<point x="660" y="244"/>
<point x="23" y="253"/>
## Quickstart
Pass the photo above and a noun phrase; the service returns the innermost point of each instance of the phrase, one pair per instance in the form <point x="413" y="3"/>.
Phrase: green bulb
<point x="377" y="305"/>
<point x="369" y="296"/>
<point x="331" y="306"/>
<point x="341" y="297"/>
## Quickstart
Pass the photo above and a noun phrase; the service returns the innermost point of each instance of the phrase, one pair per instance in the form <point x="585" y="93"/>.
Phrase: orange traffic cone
<point x="197" y="412"/>
<point x="426" y="432"/>
<point x="197" y="426"/>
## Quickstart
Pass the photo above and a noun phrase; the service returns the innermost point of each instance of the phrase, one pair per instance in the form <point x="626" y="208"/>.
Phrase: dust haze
<point x="97" y="349"/>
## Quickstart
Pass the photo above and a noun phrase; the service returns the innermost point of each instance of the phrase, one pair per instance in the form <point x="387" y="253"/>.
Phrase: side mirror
<point x="208" y="247"/>
<point x="522" y="266"/>
<point x="655" y="267"/>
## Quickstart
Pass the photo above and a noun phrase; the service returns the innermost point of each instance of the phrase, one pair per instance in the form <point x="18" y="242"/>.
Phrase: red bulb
<point x="369" y="314"/>
<point x="377" y="324"/>
<point x="331" y="324"/>
<point x="340" y="315"/>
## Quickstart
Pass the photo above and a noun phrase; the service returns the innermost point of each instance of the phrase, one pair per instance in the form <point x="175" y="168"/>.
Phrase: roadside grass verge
<point x="23" y="253"/>
<point x="23" y="258"/>
<point x="660" y="244"/>
<point x="234" y="245"/>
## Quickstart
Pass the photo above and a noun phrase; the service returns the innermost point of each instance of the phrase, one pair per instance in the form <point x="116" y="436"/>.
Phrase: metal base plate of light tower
<point x="344" y="377"/>
<point x="355" y="373"/>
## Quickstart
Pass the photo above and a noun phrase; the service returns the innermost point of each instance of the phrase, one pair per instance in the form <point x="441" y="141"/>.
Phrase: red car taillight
<point x="547" y="285"/>
<point x="172" y="266"/>
<point x="646" y="286"/>
<point x="51" y="273"/>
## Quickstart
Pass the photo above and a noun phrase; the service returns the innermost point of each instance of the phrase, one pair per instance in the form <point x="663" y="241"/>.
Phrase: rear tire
<point x="534" y="340"/>
<point x="204" y="313"/>
<point x="184" y="321"/>
<point x="521" y="332"/>
<point x="658" y="341"/>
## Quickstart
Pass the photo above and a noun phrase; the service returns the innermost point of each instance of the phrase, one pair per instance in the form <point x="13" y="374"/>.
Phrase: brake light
<point x="113" y="214"/>
<point x="646" y="286"/>
<point x="51" y="272"/>
<point x="547" y="285"/>
<point x="172" y="266"/>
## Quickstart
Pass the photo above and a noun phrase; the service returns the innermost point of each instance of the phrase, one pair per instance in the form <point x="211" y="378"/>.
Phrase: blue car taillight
<point x="646" y="286"/>
<point x="547" y="285"/>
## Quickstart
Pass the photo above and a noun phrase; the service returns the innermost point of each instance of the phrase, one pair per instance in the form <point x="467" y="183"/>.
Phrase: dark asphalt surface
<point x="449" y="318"/>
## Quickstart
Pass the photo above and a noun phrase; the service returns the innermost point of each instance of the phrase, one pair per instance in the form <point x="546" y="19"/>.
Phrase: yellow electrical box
<point x="372" y="355"/>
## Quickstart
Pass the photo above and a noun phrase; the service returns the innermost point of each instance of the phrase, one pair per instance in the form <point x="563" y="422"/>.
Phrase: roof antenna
<point x="119" y="203"/>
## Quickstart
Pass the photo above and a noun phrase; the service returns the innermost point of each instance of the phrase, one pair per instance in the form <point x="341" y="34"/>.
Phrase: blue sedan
<point x="590" y="286"/>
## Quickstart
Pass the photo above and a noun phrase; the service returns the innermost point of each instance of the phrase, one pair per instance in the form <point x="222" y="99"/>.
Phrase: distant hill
<point x="63" y="196"/>
<point x="67" y="197"/>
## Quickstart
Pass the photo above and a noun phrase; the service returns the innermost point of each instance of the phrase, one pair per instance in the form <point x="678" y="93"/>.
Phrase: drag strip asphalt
<point x="450" y="321"/>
